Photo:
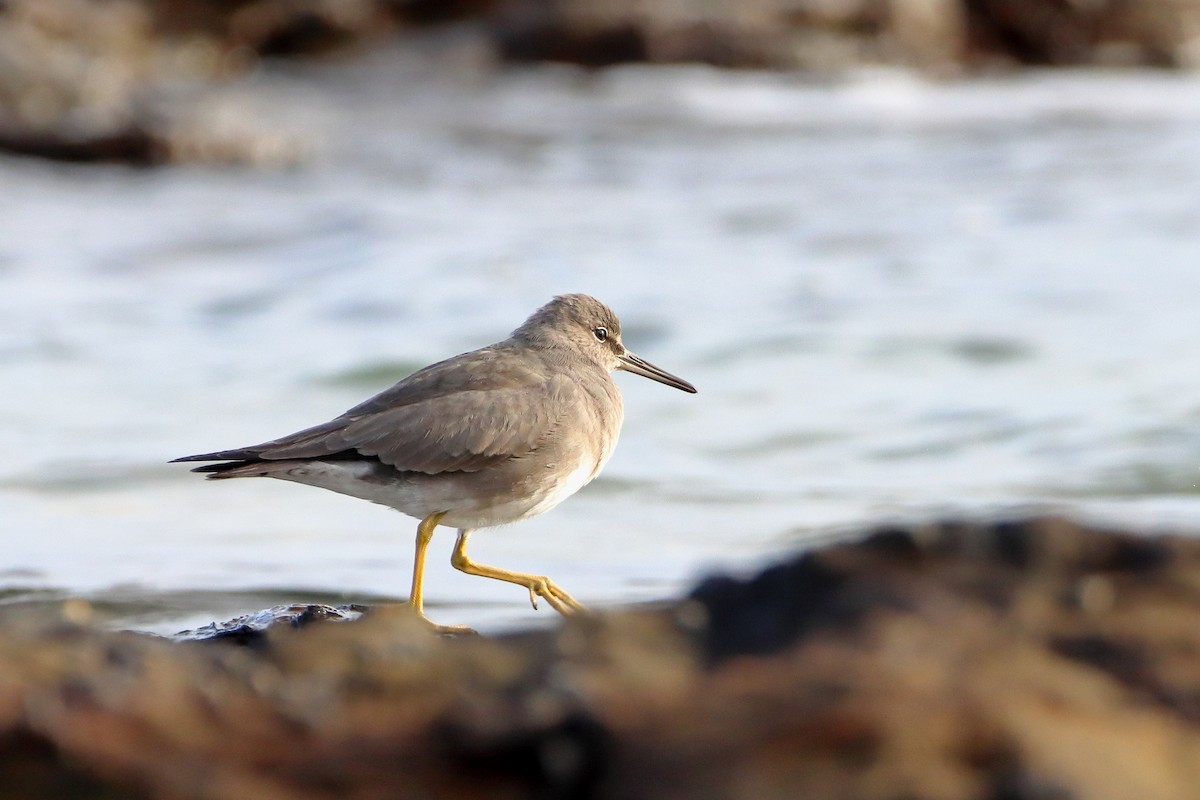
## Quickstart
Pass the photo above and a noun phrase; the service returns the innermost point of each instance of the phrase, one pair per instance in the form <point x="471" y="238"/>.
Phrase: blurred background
<point x="921" y="258"/>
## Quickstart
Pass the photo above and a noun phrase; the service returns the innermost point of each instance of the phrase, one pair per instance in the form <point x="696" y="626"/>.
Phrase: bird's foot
<point x="557" y="597"/>
<point x="443" y="630"/>
<point x="449" y="630"/>
<point x="453" y="630"/>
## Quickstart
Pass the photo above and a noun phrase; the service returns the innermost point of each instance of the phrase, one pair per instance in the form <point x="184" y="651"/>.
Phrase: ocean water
<point x="899" y="299"/>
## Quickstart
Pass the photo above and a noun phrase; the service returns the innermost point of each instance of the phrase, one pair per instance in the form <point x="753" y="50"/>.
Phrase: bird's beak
<point x="631" y="363"/>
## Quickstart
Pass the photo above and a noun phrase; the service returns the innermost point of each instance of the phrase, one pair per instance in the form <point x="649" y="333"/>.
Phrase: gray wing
<point x="462" y="414"/>
<point x="462" y="432"/>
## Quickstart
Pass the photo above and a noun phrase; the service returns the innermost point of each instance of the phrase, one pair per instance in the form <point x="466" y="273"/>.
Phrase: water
<point x="898" y="299"/>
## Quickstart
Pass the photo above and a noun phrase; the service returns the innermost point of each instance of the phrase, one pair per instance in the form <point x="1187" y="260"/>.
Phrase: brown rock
<point x="813" y="34"/>
<point x="938" y="35"/>
<point x="1030" y="659"/>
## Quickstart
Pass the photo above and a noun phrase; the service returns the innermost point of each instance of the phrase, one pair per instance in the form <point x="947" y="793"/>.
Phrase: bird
<point x="486" y="438"/>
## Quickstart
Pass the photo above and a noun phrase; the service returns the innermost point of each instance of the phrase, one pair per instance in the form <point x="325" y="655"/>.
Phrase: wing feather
<point x="466" y="431"/>
<point x="462" y="414"/>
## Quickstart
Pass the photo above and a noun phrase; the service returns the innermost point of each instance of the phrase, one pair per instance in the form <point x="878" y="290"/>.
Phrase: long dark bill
<point x="638" y="366"/>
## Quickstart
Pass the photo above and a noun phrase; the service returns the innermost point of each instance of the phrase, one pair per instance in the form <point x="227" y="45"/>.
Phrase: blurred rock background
<point x="142" y="82"/>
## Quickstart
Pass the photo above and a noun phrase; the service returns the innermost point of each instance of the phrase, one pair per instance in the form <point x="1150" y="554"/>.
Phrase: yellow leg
<point x="416" y="596"/>
<point x="538" y="585"/>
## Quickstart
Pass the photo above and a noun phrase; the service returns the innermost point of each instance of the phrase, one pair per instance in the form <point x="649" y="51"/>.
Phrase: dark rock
<point x="892" y="542"/>
<point x="567" y="759"/>
<point x="251" y="629"/>
<point x="775" y="609"/>
<point x="131" y="145"/>
<point x="1122" y="661"/>
<point x="32" y="767"/>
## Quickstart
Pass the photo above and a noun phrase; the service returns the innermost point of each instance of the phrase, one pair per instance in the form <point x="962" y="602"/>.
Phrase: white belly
<point x="425" y="496"/>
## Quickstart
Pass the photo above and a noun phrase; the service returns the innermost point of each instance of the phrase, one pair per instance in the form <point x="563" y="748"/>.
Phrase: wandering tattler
<point x="486" y="438"/>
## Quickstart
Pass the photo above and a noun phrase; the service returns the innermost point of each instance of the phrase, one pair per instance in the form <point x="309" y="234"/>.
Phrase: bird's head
<point x="582" y="324"/>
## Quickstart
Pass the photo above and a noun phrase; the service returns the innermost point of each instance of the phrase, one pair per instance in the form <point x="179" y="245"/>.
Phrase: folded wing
<point x="464" y="431"/>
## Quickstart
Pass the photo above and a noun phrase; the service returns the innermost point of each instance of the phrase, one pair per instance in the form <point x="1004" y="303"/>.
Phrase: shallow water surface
<point x="897" y="299"/>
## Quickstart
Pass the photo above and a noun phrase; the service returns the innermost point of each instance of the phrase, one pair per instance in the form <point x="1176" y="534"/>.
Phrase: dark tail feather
<point x="220" y="455"/>
<point x="228" y="465"/>
<point x="233" y="463"/>
<point x="252" y="468"/>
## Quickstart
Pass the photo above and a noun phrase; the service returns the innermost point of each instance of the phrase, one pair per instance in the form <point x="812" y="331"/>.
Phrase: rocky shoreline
<point x="1036" y="658"/>
<point x="144" y="82"/>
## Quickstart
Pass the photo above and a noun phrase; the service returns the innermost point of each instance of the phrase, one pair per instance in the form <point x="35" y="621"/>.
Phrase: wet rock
<point x="1031" y="658"/>
<point x="251" y="629"/>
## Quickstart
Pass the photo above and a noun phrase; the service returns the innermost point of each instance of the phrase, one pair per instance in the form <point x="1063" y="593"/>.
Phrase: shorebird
<point x="486" y="438"/>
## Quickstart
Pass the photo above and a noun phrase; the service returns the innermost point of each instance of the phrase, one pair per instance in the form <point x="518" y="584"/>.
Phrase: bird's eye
<point x="601" y="333"/>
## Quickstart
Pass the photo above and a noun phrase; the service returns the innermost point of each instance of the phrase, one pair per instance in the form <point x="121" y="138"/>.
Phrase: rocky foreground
<point x="1029" y="659"/>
